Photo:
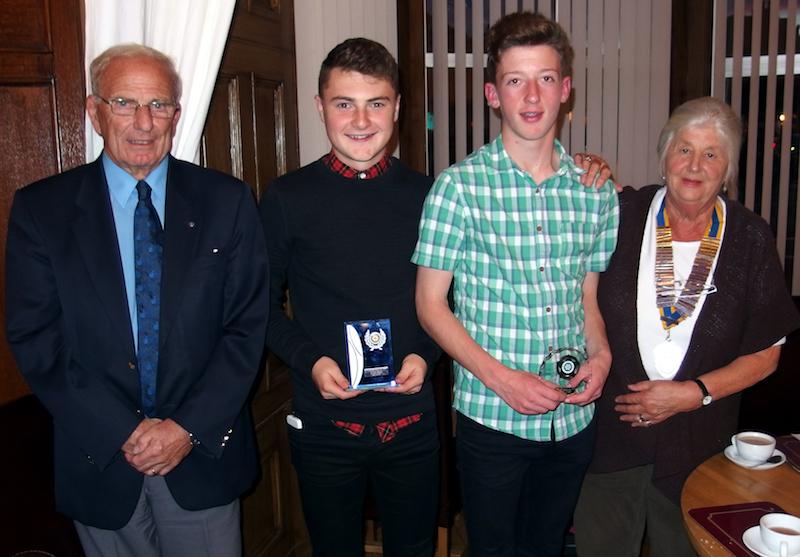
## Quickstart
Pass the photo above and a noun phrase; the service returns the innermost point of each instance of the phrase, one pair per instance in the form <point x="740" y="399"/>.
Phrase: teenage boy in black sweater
<point x="340" y="233"/>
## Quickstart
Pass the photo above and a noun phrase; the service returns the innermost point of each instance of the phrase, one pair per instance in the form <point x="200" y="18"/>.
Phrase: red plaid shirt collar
<point x="336" y="165"/>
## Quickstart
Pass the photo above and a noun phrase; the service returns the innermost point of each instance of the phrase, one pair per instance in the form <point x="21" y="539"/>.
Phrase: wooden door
<point x="42" y="99"/>
<point x="251" y="132"/>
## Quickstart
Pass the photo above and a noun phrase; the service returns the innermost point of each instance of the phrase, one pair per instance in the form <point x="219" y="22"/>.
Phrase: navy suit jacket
<point x="69" y="329"/>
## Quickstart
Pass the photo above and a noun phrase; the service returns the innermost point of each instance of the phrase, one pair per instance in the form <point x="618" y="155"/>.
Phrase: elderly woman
<point x="696" y="309"/>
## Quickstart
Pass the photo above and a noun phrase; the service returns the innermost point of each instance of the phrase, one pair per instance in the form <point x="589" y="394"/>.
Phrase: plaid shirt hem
<point x="386" y="431"/>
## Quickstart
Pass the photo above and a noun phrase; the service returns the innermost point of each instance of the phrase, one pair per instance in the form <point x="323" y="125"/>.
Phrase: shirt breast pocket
<point x="573" y="243"/>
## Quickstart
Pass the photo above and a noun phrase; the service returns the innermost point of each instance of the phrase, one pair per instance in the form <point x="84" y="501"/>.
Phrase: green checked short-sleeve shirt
<point x="519" y="252"/>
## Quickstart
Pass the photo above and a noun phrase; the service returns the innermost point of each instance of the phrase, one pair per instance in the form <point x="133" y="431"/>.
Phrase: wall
<point x="319" y="26"/>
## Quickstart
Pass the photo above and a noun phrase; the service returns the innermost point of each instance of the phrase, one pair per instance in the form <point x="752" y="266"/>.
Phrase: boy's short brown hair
<point x="363" y="56"/>
<point x="527" y="29"/>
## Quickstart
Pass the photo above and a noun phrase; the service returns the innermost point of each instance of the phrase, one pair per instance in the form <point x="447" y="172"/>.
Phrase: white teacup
<point x="781" y="534"/>
<point x="754" y="446"/>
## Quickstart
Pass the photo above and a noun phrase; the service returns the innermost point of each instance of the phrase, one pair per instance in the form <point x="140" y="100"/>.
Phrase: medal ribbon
<point x="673" y="311"/>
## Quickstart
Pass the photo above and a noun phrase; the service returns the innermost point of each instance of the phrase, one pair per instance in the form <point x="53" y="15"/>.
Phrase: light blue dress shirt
<point x="122" y="190"/>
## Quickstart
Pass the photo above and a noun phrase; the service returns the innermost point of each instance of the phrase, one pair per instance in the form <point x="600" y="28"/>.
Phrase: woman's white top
<point x="649" y="330"/>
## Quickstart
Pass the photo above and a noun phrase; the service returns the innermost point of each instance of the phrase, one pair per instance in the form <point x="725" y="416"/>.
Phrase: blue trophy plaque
<point x="368" y="345"/>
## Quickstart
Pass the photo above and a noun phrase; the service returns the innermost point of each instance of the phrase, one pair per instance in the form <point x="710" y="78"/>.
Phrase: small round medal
<point x="567" y="367"/>
<point x="668" y="357"/>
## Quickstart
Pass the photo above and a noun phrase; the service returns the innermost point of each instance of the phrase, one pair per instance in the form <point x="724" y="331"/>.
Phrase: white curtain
<point x="192" y="32"/>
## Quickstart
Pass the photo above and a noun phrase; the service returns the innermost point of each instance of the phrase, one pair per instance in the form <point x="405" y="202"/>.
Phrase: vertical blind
<point x="620" y="96"/>
<point x="755" y="69"/>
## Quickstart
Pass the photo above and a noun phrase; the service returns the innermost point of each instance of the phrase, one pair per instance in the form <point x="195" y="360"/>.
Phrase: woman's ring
<point x="641" y="419"/>
<point x="588" y="158"/>
<point x="152" y="471"/>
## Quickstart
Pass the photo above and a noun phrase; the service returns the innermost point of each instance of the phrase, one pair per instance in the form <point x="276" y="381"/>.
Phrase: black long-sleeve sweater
<point x="343" y="248"/>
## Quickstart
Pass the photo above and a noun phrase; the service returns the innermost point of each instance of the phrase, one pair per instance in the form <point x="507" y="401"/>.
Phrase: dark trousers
<point x="519" y="494"/>
<point x="617" y="510"/>
<point x="334" y="468"/>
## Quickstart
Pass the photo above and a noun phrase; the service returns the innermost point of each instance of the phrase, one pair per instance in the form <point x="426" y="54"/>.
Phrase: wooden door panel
<point x="270" y="132"/>
<point x="25" y="25"/>
<point x="251" y="132"/>
<point x="245" y="133"/>
<point x="31" y="105"/>
<point x="273" y="385"/>
<point x="267" y="517"/>
<point x="42" y="98"/>
<point x="219" y="146"/>
<point x="252" y="157"/>
<point x="32" y="135"/>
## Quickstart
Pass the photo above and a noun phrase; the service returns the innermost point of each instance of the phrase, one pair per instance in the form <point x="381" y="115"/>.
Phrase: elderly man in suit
<point x="136" y="307"/>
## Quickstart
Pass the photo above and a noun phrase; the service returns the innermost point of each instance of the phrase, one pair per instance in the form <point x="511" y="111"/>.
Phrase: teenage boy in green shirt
<point x="523" y="242"/>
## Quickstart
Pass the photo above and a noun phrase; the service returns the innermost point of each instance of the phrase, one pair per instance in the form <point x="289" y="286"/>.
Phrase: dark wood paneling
<point x="222" y="128"/>
<point x="42" y="95"/>
<point x="32" y="104"/>
<point x="271" y="521"/>
<point x="251" y="132"/>
<point x="28" y="517"/>
<point x="411" y="59"/>
<point x="25" y="26"/>
<point x="692" y="36"/>
<point x="270" y="132"/>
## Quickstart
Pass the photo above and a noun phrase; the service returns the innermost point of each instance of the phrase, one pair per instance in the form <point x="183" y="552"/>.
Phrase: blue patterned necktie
<point x="147" y="250"/>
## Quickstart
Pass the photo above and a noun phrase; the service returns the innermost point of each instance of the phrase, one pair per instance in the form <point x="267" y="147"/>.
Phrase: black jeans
<point x="519" y="494"/>
<point x="333" y="468"/>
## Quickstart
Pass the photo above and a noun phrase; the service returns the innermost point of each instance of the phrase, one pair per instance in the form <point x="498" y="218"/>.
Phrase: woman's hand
<point x="597" y="170"/>
<point x="653" y="402"/>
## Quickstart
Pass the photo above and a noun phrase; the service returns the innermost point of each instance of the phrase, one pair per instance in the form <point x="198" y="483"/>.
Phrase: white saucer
<point x="752" y="539"/>
<point x="733" y="456"/>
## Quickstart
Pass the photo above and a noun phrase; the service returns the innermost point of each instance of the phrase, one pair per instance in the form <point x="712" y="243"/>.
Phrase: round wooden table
<point x="718" y="481"/>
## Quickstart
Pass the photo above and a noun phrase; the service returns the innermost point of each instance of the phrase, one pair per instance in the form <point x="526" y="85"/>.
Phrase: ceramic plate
<point x="733" y="456"/>
<point x="752" y="539"/>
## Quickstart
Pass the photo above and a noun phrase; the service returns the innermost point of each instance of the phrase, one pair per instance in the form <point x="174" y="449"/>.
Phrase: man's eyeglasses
<point x="128" y="107"/>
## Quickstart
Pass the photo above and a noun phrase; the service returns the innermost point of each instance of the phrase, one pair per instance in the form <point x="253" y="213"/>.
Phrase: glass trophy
<point x="567" y="363"/>
<point x="368" y="345"/>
